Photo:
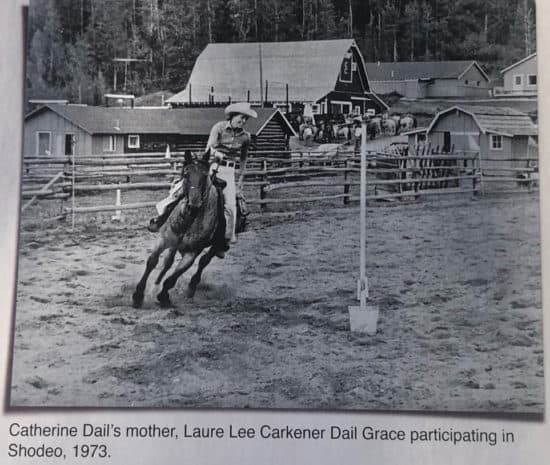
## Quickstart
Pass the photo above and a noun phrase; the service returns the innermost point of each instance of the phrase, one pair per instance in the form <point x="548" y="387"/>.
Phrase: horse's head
<point x="196" y="179"/>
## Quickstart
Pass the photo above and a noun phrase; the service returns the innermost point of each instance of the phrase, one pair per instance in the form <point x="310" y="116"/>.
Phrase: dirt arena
<point x="457" y="283"/>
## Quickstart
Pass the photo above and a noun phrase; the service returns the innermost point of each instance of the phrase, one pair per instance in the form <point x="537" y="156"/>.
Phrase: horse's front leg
<point x="185" y="263"/>
<point x="152" y="261"/>
<point x="168" y="262"/>
<point x="196" y="279"/>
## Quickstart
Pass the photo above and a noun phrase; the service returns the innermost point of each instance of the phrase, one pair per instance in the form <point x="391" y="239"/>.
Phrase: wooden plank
<point x="106" y="208"/>
<point x="44" y="189"/>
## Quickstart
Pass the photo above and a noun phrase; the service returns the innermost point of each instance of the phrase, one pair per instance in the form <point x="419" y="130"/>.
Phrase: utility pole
<point x="261" y="71"/>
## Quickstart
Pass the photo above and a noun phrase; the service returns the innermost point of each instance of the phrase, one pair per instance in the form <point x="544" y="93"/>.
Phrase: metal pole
<point x="261" y="72"/>
<point x="363" y="289"/>
<point x="73" y="190"/>
<point x="286" y="95"/>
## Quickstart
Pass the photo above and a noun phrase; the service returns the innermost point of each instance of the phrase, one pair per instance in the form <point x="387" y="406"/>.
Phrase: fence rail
<point x="280" y="177"/>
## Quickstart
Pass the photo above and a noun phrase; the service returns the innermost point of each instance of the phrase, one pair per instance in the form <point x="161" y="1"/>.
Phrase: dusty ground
<point x="457" y="283"/>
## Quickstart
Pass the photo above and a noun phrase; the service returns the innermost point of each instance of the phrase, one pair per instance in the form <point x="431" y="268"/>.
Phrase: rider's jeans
<point x="230" y="203"/>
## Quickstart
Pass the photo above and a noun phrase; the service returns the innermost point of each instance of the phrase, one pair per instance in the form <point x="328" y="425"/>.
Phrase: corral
<point x="457" y="282"/>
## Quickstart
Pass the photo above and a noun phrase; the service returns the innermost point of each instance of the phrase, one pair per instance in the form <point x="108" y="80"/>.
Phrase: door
<point x="446" y="142"/>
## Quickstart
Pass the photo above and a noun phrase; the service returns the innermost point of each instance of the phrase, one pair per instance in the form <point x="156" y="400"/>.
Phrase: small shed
<point x="428" y="79"/>
<point x="59" y="130"/>
<point x="327" y="74"/>
<point x="496" y="133"/>
<point x="520" y="78"/>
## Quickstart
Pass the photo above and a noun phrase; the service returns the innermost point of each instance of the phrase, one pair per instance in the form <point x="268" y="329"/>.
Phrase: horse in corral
<point x="374" y="127"/>
<point x="407" y="123"/>
<point x="389" y="127"/>
<point x="341" y="131"/>
<point x="196" y="223"/>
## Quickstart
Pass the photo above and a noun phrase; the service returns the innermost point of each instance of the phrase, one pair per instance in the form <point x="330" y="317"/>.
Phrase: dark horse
<point x="195" y="224"/>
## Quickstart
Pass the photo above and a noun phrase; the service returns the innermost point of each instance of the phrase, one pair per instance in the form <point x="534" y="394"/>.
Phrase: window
<point x="346" y="69"/>
<point x="466" y="82"/>
<point x="496" y="142"/>
<point x="371" y="112"/>
<point x="44" y="143"/>
<point x="532" y="79"/>
<point x="109" y="143"/>
<point x="477" y="83"/>
<point x="354" y="66"/>
<point x="518" y="80"/>
<point x="357" y="110"/>
<point x="420" y="138"/>
<point x="315" y="108"/>
<point x="338" y="108"/>
<point x="70" y="141"/>
<point x="133" y="142"/>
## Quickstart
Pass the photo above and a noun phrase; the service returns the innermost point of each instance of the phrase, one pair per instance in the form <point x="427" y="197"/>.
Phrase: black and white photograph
<point x="268" y="204"/>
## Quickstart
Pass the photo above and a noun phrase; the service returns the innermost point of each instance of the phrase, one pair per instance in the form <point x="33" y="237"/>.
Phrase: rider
<point x="228" y="140"/>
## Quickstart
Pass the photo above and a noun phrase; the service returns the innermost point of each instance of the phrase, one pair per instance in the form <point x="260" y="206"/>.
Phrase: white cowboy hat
<point x="241" y="107"/>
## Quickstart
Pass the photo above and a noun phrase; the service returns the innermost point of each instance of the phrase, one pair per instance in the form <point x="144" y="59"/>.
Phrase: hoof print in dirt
<point x="37" y="382"/>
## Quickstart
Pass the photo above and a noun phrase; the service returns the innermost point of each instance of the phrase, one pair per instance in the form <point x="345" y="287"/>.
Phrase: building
<point x="429" y="79"/>
<point x="520" y="79"/>
<point x="496" y="133"/>
<point x="330" y="75"/>
<point x="59" y="130"/>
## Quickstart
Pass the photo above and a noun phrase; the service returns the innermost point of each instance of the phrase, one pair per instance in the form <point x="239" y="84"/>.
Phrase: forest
<point x="81" y="49"/>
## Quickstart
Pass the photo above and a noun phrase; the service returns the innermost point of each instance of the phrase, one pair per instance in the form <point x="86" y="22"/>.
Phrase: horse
<point x="374" y="127"/>
<point x="196" y="223"/>
<point x="407" y="123"/>
<point x="389" y="126"/>
<point x="341" y="131"/>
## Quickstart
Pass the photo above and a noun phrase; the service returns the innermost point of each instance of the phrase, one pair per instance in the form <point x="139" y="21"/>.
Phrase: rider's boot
<point x="156" y="223"/>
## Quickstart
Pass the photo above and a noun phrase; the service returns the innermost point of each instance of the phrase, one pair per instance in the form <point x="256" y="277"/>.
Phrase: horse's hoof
<point x="137" y="300"/>
<point x="164" y="301"/>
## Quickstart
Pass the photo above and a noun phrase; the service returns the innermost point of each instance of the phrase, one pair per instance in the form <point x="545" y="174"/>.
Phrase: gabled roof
<point x="517" y="63"/>
<point x="497" y="120"/>
<point x="185" y="121"/>
<point x="413" y="70"/>
<point x="310" y="68"/>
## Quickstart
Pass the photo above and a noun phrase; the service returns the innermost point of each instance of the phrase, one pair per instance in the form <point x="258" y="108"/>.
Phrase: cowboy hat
<point x="241" y="107"/>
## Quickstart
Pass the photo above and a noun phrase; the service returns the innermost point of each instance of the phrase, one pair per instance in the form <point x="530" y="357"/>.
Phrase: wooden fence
<point x="287" y="178"/>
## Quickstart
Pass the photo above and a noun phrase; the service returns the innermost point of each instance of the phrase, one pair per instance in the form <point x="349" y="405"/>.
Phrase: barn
<point x="497" y="133"/>
<point x="429" y="79"/>
<point x="329" y="75"/>
<point x="58" y="130"/>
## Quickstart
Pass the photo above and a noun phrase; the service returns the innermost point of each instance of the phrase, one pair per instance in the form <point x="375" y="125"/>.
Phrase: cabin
<point x="64" y="130"/>
<point x="496" y="133"/>
<point x="519" y="79"/>
<point x="329" y="75"/>
<point x="429" y="79"/>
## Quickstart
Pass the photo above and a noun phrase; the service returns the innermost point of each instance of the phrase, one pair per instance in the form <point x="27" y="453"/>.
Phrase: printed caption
<point x="94" y="440"/>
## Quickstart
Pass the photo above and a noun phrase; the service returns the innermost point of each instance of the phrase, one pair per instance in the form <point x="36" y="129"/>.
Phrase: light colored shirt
<point x="231" y="142"/>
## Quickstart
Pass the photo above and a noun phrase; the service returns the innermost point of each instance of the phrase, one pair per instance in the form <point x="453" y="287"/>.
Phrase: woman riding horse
<point x="228" y="140"/>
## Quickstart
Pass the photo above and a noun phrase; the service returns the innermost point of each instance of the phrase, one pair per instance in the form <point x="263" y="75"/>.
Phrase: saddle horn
<point x="206" y="155"/>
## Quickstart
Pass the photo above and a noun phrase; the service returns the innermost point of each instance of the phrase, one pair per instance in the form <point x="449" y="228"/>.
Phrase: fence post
<point x="346" y="185"/>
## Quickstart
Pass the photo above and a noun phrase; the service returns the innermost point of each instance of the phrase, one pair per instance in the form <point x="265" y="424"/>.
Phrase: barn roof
<point x="185" y="121"/>
<point x="499" y="120"/>
<point x="517" y="63"/>
<point x="310" y="68"/>
<point x="413" y="70"/>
